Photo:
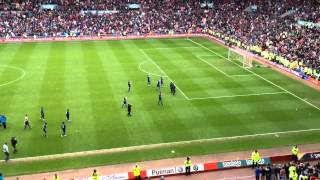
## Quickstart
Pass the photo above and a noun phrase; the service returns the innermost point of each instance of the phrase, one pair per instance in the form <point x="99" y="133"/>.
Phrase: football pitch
<point x="219" y="106"/>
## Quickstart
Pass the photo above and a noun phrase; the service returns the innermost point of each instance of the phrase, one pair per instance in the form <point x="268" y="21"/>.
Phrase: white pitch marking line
<point x="187" y="47"/>
<point x="270" y="82"/>
<point x="213" y="66"/>
<point x="15" y="80"/>
<point x="149" y="146"/>
<point x="239" y="95"/>
<point x="218" y="69"/>
<point x="147" y="72"/>
<point x="151" y="60"/>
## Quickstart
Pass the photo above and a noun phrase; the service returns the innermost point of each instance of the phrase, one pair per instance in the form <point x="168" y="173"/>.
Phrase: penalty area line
<point x="148" y="146"/>
<point x="270" y="82"/>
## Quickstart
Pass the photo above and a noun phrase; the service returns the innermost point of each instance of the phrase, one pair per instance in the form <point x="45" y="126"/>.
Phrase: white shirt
<point x="5" y="148"/>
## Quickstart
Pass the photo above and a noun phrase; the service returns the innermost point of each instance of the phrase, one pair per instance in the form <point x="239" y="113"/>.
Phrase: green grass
<point x="90" y="78"/>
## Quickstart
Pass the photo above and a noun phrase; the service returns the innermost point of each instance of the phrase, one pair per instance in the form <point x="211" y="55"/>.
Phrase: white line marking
<point x="15" y="80"/>
<point x="307" y="102"/>
<point x="148" y="146"/>
<point x="239" y="95"/>
<point x="220" y="70"/>
<point x="213" y="66"/>
<point x="187" y="47"/>
<point x="151" y="60"/>
<point x="147" y="72"/>
<point x="241" y="177"/>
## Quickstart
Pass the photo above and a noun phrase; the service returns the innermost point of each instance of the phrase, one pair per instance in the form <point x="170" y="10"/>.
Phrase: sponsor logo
<point x="315" y="155"/>
<point x="196" y="168"/>
<point x="231" y="164"/>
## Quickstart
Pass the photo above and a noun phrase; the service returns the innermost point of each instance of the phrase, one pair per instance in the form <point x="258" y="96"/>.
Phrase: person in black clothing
<point x="158" y="85"/>
<point x="160" y="99"/>
<point x="125" y="102"/>
<point x="63" y="129"/>
<point x="14" y="143"/>
<point x="172" y="88"/>
<point x="68" y="115"/>
<point x="44" y="129"/>
<point x="149" y="80"/>
<point x="42" y="114"/>
<point x="129" y="109"/>
<point x="129" y="86"/>
<point x="161" y="81"/>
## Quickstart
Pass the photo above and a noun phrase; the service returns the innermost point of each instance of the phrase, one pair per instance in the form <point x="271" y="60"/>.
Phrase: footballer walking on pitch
<point x="125" y="102"/>
<point x="42" y="114"/>
<point x="129" y="86"/>
<point x="149" y="80"/>
<point x="5" y="150"/>
<point x="44" y="129"/>
<point x="68" y="115"/>
<point x="14" y="143"/>
<point x="160" y="99"/>
<point x="63" y="129"/>
<point x="26" y="122"/>
<point x="129" y="109"/>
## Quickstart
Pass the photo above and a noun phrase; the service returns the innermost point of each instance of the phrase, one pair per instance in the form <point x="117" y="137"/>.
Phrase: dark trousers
<point x="138" y="177"/>
<point x="254" y="164"/>
<point x="6" y="156"/>
<point x="188" y="171"/>
<point x="294" y="158"/>
<point x="15" y="149"/>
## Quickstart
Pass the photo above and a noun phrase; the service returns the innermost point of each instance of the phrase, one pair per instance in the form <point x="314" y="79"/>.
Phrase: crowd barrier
<point x="204" y="167"/>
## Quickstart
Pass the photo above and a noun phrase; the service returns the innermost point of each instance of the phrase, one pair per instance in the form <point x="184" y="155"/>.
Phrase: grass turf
<point x="90" y="78"/>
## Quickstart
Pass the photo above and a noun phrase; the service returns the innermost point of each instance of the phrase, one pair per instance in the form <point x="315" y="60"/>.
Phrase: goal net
<point x="246" y="61"/>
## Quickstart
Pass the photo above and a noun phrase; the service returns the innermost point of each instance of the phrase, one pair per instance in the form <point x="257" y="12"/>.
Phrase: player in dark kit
<point x="44" y="129"/>
<point x="161" y="81"/>
<point x="129" y="86"/>
<point x="63" y="129"/>
<point x="149" y="80"/>
<point x="158" y="85"/>
<point x="160" y="99"/>
<point x="14" y="143"/>
<point x="172" y="88"/>
<point x="129" y="109"/>
<point x="125" y="102"/>
<point x="68" y="115"/>
<point x="42" y="114"/>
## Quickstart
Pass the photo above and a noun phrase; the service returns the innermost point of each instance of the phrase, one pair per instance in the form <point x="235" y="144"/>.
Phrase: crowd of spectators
<point x="272" y="25"/>
<point x="288" y="171"/>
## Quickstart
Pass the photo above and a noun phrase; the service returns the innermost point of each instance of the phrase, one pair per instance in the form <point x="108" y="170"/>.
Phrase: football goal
<point x="246" y="61"/>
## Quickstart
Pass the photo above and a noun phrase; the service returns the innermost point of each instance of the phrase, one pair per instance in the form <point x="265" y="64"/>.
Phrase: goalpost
<point x="246" y="61"/>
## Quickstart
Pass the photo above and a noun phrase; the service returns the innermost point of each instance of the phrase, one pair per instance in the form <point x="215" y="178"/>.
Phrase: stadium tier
<point x="95" y="82"/>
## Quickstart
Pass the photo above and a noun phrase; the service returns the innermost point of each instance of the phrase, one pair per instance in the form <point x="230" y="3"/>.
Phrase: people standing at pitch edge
<point x="68" y="115"/>
<point x="95" y="175"/>
<point x="255" y="157"/>
<point x="160" y="99"/>
<point x="295" y="153"/>
<point x="136" y="172"/>
<point x="14" y="143"/>
<point x="149" y="80"/>
<point x="5" y="150"/>
<point x="42" y="114"/>
<point x="26" y="122"/>
<point x="125" y="102"/>
<point x="63" y="129"/>
<point x="129" y="109"/>
<point x="187" y="165"/>
<point x="56" y="177"/>
<point x="44" y="129"/>
<point x="129" y="86"/>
